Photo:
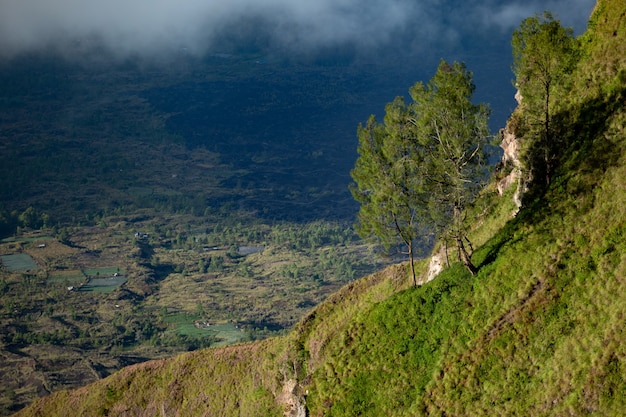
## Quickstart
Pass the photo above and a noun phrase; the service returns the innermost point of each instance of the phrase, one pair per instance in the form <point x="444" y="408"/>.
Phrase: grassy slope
<point x="539" y="331"/>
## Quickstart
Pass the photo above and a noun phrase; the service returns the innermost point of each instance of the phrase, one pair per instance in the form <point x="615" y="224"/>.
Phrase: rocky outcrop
<point x="511" y="161"/>
<point x="510" y="147"/>
<point x="435" y="266"/>
<point x="292" y="399"/>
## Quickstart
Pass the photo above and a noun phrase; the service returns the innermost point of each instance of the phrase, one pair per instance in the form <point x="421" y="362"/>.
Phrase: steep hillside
<point x="540" y="330"/>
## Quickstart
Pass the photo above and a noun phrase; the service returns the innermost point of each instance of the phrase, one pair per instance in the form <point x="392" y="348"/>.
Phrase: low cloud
<point x="148" y="27"/>
<point x="507" y="15"/>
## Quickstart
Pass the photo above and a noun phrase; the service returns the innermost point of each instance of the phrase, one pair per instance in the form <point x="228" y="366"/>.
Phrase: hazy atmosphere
<point x="404" y="39"/>
<point x="140" y="27"/>
<point x="276" y="88"/>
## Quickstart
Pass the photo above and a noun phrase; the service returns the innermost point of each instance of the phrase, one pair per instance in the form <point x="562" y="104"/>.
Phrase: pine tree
<point x="417" y="172"/>
<point x="388" y="186"/>
<point x="544" y="54"/>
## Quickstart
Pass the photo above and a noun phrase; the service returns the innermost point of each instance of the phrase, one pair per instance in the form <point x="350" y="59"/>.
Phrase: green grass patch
<point x="26" y="239"/>
<point x="228" y="334"/>
<point x="103" y="271"/>
<point x="185" y="325"/>
<point x="19" y="262"/>
<point x="386" y="359"/>
<point x="190" y="329"/>
<point x="66" y="277"/>
<point x="180" y="318"/>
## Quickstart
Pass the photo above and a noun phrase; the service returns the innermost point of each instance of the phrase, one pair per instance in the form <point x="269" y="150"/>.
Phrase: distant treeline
<point x="31" y="218"/>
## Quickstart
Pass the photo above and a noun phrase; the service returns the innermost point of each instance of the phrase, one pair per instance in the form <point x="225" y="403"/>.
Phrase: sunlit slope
<point x="540" y="330"/>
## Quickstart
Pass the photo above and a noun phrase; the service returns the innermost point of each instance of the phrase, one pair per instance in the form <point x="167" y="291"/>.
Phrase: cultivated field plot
<point x="19" y="262"/>
<point x="66" y="277"/>
<point x="249" y="250"/>
<point x="186" y="325"/>
<point x="103" y="272"/>
<point x="103" y="285"/>
<point x="228" y="334"/>
<point x="26" y="239"/>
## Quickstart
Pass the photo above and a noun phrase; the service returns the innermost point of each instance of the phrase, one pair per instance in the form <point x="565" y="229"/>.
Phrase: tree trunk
<point x="412" y="262"/>
<point x="465" y="257"/>
<point x="547" y="136"/>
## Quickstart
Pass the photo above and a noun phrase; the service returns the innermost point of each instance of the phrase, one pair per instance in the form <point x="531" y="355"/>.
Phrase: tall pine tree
<point x="417" y="172"/>
<point x="544" y="55"/>
<point x="388" y="185"/>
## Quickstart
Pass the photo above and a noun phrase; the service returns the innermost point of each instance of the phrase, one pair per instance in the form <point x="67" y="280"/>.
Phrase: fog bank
<point x="149" y="27"/>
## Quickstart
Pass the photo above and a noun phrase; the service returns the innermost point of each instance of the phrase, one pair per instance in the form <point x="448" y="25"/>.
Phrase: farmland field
<point x="186" y="325"/>
<point x="66" y="277"/>
<point x="227" y="332"/>
<point x="103" y="271"/>
<point x="26" y="239"/>
<point x="103" y="285"/>
<point x="19" y="262"/>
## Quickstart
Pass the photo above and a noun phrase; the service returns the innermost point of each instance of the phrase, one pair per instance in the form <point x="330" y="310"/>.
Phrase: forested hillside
<point x="538" y="330"/>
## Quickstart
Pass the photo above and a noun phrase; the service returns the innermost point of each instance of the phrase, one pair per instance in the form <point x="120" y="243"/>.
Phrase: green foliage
<point x="544" y="56"/>
<point x="30" y="218"/>
<point x="454" y="132"/>
<point x="388" y="183"/>
<point x="536" y="331"/>
<point x="417" y="172"/>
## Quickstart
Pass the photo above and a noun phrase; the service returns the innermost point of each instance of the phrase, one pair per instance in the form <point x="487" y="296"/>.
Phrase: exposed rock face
<point x="293" y="399"/>
<point x="510" y="159"/>
<point x="510" y="146"/>
<point x="518" y="97"/>
<point x="435" y="266"/>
